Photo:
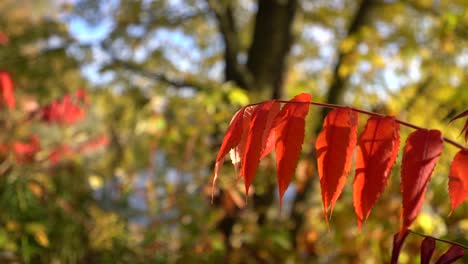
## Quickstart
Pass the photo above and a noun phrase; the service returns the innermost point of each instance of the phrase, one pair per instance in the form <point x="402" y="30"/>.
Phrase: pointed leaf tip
<point x="427" y="249"/>
<point x="398" y="240"/>
<point x="289" y="136"/>
<point x="454" y="253"/>
<point x="260" y="126"/>
<point x="458" y="179"/>
<point x="376" y="153"/>
<point x="335" y="146"/>
<point x="422" y="151"/>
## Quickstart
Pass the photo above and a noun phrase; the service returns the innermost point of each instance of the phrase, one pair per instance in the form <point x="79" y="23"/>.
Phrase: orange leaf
<point x="6" y="88"/>
<point x="289" y="134"/>
<point x="377" y="150"/>
<point x="237" y="153"/>
<point x="422" y="150"/>
<point x="458" y="179"/>
<point x="335" y="146"/>
<point x="260" y="125"/>
<point x="231" y="139"/>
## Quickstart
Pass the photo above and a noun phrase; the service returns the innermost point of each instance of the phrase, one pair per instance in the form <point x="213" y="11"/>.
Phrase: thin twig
<point x="439" y="239"/>
<point x="335" y="106"/>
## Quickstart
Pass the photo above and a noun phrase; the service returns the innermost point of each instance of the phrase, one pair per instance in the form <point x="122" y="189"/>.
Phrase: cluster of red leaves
<point x="66" y="111"/>
<point x="256" y="129"/>
<point x="428" y="245"/>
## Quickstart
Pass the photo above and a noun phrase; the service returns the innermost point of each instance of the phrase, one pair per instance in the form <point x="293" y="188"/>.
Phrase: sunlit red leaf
<point x="335" y="145"/>
<point x="258" y="131"/>
<point x="458" y="179"/>
<point x="289" y="133"/>
<point x="237" y="153"/>
<point x="377" y="150"/>
<point x="422" y="150"/>
<point x="454" y="253"/>
<point x="6" y="88"/>
<point x="398" y="240"/>
<point x="427" y="248"/>
<point x="231" y="139"/>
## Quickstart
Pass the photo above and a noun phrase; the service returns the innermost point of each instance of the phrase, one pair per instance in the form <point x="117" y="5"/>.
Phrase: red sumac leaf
<point x="6" y="88"/>
<point x="258" y="132"/>
<point x="398" y="240"/>
<point x="458" y="179"/>
<point x="452" y="254"/>
<point x="377" y="150"/>
<point x="231" y="139"/>
<point x="422" y="150"/>
<point x="427" y="249"/>
<point x="335" y="145"/>
<point x="289" y="133"/>
<point x="237" y="153"/>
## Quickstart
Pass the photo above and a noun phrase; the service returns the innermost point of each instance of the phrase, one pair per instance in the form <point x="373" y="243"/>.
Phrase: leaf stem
<point x="439" y="239"/>
<point x="335" y="106"/>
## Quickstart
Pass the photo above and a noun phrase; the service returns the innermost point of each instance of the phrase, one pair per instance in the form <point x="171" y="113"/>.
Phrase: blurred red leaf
<point x="377" y="150"/>
<point x="422" y="150"/>
<point x="3" y="38"/>
<point x="427" y="249"/>
<point x="58" y="153"/>
<point x="458" y="179"/>
<point x="24" y="151"/>
<point x="6" y="88"/>
<point x="65" y="111"/>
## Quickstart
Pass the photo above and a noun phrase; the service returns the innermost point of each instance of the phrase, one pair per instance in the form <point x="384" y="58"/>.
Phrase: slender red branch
<point x="335" y="106"/>
<point x="439" y="239"/>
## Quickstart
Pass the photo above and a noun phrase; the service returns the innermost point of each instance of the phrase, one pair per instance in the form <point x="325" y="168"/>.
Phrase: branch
<point x="439" y="239"/>
<point x="335" y="106"/>
<point x="234" y="71"/>
<point x="192" y="81"/>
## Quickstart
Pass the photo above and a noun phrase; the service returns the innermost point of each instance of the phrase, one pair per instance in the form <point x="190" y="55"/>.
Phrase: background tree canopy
<point x="163" y="78"/>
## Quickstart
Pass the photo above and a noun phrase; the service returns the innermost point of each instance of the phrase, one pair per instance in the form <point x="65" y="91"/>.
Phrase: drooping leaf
<point x="454" y="253"/>
<point x="6" y="88"/>
<point x="398" y="240"/>
<point x="260" y="125"/>
<point x="422" y="150"/>
<point x="465" y="127"/>
<point x="377" y="150"/>
<point x="289" y="133"/>
<point x="427" y="249"/>
<point x="458" y="179"/>
<point x="231" y="139"/>
<point x="237" y="153"/>
<point x="335" y="145"/>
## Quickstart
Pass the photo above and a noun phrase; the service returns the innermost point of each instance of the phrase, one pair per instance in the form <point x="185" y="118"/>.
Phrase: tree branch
<point x="233" y="71"/>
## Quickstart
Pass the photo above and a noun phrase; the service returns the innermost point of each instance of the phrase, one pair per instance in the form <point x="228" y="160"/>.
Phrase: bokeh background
<point x="127" y="178"/>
